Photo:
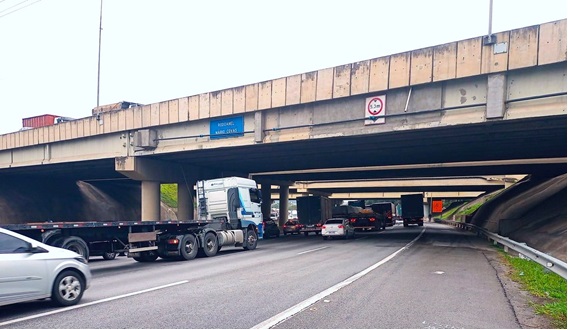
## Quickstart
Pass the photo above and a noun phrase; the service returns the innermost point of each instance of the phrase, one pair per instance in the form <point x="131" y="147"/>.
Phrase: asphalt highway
<point x="418" y="277"/>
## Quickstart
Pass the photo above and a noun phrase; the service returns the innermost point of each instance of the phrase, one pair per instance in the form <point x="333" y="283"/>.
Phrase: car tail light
<point x="318" y="225"/>
<point x="173" y="241"/>
<point x="352" y="220"/>
<point x="323" y="227"/>
<point x="340" y="226"/>
<point x="372" y="219"/>
<point x="284" y="226"/>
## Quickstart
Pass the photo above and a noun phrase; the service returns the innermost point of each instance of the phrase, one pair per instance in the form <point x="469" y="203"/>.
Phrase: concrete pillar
<point x="266" y="206"/>
<point x="283" y="213"/>
<point x="150" y="201"/>
<point x="185" y="202"/>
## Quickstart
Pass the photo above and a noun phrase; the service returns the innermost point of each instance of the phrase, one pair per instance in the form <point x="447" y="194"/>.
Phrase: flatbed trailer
<point x="142" y="240"/>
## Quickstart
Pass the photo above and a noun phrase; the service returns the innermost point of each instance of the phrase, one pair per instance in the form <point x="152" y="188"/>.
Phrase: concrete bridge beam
<point x="141" y="169"/>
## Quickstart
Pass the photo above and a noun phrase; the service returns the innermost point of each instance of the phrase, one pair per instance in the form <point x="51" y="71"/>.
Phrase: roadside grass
<point x="168" y="194"/>
<point x="541" y="283"/>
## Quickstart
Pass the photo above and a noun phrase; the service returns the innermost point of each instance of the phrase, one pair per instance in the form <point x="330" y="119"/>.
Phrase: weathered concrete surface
<point x="533" y="211"/>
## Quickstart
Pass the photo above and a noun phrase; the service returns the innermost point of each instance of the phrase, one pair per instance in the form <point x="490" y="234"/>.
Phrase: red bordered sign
<point x="375" y="108"/>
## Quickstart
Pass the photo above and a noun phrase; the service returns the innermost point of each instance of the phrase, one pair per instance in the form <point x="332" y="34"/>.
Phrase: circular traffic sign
<point x="375" y="106"/>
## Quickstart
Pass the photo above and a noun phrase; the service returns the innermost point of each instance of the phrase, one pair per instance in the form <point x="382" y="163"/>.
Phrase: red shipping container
<point x="39" y="121"/>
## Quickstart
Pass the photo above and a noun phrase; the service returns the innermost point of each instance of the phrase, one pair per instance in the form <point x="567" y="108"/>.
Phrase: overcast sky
<point x="155" y="51"/>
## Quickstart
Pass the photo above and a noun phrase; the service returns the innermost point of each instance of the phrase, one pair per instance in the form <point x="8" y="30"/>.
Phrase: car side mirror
<point x="36" y="249"/>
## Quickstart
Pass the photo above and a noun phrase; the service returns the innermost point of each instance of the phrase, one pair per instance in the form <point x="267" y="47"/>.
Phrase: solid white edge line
<point x="65" y="309"/>
<point x="278" y="318"/>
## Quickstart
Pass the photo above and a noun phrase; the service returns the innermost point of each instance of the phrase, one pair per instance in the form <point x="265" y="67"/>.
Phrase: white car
<point x="337" y="227"/>
<point x="30" y="270"/>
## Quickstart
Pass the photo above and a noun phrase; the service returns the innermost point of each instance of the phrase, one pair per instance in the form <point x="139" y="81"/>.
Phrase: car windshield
<point x="291" y="223"/>
<point x="334" y="221"/>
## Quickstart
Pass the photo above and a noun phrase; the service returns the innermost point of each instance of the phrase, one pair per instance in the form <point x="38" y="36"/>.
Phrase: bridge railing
<point x="553" y="264"/>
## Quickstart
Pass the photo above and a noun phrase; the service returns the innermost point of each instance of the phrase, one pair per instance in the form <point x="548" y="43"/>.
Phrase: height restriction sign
<point x="375" y="110"/>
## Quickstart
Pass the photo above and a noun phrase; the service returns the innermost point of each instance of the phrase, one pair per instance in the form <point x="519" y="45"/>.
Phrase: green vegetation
<point x="470" y="209"/>
<point x="168" y="194"/>
<point x="542" y="283"/>
<point x="448" y="214"/>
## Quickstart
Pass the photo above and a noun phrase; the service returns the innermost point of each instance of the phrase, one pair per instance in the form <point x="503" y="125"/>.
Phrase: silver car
<point x="337" y="227"/>
<point x="30" y="270"/>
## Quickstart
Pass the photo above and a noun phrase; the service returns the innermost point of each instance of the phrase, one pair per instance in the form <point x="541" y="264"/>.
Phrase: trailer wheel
<point x="109" y="255"/>
<point x="251" y="240"/>
<point x="188" y="248"/>
<point x="75" y="244"/>
<point x="210" y="245"/>
<point x="68" y="288"/>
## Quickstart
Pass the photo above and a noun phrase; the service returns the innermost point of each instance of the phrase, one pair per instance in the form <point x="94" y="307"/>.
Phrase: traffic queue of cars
<point x="340" y="227"/>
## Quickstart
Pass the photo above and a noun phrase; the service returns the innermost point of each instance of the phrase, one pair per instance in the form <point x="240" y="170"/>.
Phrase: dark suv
<point x="270" y="228"/>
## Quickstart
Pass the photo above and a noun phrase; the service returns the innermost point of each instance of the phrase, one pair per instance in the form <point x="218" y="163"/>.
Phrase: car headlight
<point x="81" y="259"/>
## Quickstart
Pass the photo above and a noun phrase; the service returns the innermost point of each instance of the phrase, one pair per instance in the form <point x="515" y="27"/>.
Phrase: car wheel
<point x="324" y="238"/>
<point x="109" y="255"/>
<point x="306" y="234"/>
<point x="188" y="247"/>
<point x="68" y="288"/>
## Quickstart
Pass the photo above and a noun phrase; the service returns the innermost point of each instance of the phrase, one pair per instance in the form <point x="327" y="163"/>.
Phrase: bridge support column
<point x="150" y="201"/>
<point x="283" y="212"/>
<point x="266" y="206"/>
<point x="185" y="202"/>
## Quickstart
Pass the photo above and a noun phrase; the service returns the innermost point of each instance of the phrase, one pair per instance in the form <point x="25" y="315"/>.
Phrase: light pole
<point x="99" y="64"/>
<point x="490" y="38"/>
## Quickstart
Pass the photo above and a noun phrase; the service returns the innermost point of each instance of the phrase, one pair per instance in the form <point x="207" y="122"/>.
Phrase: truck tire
<point x="109" y="255"/>
<point x="147" y="256"/>
<point x="251" y="240"/>
<point x="188" y="247"/>
<point x="68" y="288"/>
<point x="75" y="244"/>
<point x="210" y="245"/>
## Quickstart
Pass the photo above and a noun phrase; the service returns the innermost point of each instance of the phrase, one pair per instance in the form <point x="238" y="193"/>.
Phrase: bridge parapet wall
<point x="527" y="47"/>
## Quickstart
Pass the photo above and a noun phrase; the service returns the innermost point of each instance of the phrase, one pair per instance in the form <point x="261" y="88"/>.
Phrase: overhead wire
<point x="17" y="9"/>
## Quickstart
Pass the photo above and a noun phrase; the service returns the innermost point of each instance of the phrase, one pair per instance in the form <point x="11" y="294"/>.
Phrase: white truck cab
<point x="233" y="199"/>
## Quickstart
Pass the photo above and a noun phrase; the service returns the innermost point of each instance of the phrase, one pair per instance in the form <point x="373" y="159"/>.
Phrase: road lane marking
<point x="281" y="317"/>
<point x="65" y="309"/>
<point x="314" y="250"/>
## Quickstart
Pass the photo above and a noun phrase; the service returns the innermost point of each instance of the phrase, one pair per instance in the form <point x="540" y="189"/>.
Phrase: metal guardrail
<point x="547" y="261"/>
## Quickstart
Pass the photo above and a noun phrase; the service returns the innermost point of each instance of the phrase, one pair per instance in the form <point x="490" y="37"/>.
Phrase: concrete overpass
<point x="447" y="188"/>
<point x="465" y="108"/>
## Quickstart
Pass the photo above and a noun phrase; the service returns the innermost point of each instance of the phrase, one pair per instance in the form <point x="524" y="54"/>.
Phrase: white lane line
<point x="314" y="250"/>
<point x="65" y="309"/>
<point x="278" y="318"/>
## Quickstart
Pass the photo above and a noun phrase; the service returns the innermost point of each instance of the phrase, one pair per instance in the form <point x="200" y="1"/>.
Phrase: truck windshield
<point x="255" y="196"/>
